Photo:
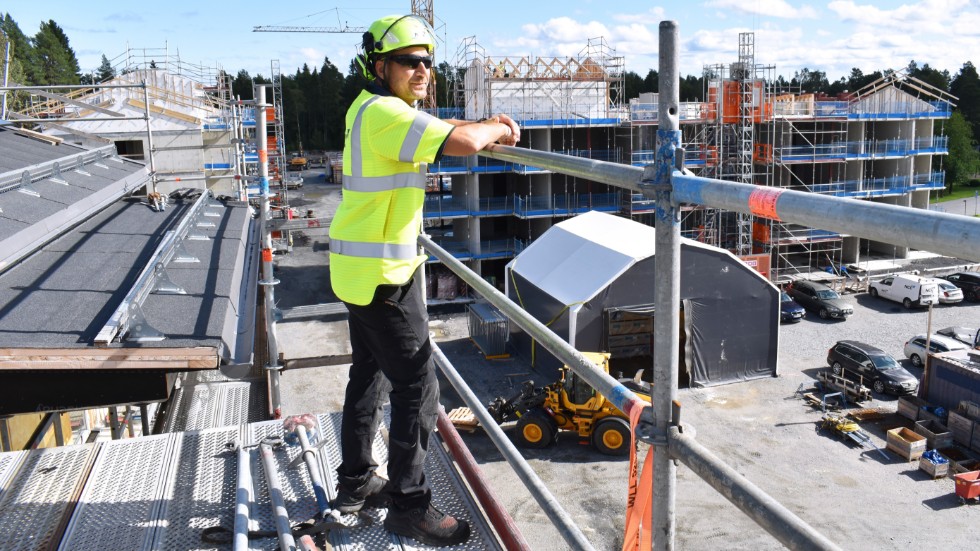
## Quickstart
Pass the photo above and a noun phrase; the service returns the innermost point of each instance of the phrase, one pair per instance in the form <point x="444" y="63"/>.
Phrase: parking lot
<point x="858" y="498"/>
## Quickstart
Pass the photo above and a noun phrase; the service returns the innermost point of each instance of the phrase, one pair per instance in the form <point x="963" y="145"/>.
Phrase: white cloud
<point x="852" y="33"/>
<point x="771" y="8"/>
<point x="565" y="29"/>
<point x="928" y="16"/>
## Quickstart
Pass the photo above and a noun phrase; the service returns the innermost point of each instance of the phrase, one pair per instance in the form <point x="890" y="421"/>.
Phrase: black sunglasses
<point x="411" y="61"/>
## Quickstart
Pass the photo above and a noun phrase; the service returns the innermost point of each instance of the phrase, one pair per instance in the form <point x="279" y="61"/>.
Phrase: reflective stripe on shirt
<point x="356" y="168"/>
<point x="395" y="251"/>
<point x="385" y="183"/>
<point x="414" y="137"/>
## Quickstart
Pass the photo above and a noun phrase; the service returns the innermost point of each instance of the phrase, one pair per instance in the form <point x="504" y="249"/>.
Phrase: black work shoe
<point x="353" y="500"/>
<point x="427" y="525"/>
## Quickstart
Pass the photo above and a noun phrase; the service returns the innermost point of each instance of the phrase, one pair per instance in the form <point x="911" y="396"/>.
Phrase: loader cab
<point x="577" y="391"/>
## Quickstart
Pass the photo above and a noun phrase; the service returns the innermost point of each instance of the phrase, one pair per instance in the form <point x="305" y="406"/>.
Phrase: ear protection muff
<point x="370" y="45"/>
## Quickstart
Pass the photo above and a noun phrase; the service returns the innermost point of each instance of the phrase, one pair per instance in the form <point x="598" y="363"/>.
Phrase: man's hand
<point x="515" y="131"/>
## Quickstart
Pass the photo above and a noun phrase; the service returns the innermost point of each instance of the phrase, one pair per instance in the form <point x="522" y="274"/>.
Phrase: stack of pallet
<point x="964" y="423"/>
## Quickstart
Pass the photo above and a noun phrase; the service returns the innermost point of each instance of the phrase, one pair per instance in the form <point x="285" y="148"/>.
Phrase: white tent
<point x="591" y="280"/>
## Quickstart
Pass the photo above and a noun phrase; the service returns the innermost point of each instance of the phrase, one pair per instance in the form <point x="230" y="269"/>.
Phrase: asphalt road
<point x="857" y="498"/>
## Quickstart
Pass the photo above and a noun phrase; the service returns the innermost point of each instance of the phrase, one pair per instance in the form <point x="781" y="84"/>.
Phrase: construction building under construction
<point x="877" y="144"/>
<point x="487" y="211"/>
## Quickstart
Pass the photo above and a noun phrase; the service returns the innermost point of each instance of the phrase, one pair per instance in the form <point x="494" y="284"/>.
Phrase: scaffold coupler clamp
<point x="647" y="430"/>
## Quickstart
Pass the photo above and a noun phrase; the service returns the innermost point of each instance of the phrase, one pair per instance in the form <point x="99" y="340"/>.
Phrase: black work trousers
<point x="391" y="358"/>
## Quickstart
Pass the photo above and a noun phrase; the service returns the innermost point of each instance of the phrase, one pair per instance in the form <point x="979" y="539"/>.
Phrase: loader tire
<point x="612" y="436"/>
<point x="536" y="430"/>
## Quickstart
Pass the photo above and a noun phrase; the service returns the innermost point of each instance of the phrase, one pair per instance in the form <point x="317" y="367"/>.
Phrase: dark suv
<point x="969" y="282"/>
<point x="821" y="299"/>
<point x="875" y="366"/>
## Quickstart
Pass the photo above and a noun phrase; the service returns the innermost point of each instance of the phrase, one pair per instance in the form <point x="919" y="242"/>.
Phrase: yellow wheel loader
<point x="569" y="404"/>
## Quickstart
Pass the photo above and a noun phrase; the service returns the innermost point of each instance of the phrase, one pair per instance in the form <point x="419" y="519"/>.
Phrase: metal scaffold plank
<point x="9" y="463"/>
<point x="119" y="506"/>
<point x="43" y="485"/>
<point x="219" y="404"/>
<point x="449" y="493"/>
<point x="200" y="491"/>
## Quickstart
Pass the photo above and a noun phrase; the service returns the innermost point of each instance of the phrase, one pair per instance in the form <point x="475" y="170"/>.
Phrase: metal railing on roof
<point x="670" y="187"/>
<point x="52" y="169"/>
<point x="128" y="317"/>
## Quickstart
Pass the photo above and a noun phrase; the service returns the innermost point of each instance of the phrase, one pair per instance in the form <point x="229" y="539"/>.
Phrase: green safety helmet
<point x="390" y="33"/>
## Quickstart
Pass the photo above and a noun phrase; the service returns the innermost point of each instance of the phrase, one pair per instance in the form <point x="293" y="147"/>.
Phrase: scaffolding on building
<point x="176" y="94"/>
<point x="585" y="90"/>
<point x="738" y="110"/>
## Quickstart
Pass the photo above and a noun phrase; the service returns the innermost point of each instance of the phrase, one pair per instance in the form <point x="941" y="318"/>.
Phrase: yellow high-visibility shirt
<point x="374" y="234"/>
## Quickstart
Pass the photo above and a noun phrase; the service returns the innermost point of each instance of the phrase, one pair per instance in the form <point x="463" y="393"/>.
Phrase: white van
<point x="908" y="289"/>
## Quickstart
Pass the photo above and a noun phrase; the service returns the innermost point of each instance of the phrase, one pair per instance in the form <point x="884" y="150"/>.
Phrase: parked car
<point x="789" y="310"/>
<point x="909" y="289"/>
<point x="873" y="365"/>
<point x="293" y="181"/>
<point x="968" y="335"/>
<point x="821" y="299"/>
<point x="969" y="282"/>
<point x="915" y="348"/>
<point x="948" y="293"/>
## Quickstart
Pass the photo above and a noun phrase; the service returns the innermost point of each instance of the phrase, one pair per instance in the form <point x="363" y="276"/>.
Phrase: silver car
<point x="948" y="293"/>
<point x="915" y="348"/>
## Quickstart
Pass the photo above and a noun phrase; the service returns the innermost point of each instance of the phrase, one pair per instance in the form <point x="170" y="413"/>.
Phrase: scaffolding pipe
<point x="6" y="76"/>
<point x="268" y="281"/>
<point x="939" y="232"/>
<point x="149" y="138"/>
<point x="309" y="457"/>
<point x="243" y="500"/>
<point x="279" y="512"/>
<point x="667" y="274"/>
<point x="561" y="519"/>
<point x="239" y="136"/>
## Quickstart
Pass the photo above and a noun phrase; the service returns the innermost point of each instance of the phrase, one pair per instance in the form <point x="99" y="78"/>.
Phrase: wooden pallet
<point x="463" y="419"/>
<point x="869" y="414"/>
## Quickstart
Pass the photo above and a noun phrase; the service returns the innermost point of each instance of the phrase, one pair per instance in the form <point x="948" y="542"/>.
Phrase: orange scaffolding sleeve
<point x="639" y="500"/>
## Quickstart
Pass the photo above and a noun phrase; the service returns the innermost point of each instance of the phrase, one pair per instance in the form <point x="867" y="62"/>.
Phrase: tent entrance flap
<point x="628" y="337"/>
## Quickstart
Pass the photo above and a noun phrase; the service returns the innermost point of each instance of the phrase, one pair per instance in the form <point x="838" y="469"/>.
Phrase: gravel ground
<point x="857" y="498"/>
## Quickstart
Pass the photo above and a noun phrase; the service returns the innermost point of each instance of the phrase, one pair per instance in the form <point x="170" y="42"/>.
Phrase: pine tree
<point x="241" y="87"/>
<point x="105" y="71"/>
<point x="56" y="60"/>
<point x="21" y="52"/>
<point x="963" y="160"/>
<point x="966" y="87"/>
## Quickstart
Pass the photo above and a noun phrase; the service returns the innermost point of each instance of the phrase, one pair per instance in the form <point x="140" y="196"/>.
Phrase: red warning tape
<point x="762" y="202"/>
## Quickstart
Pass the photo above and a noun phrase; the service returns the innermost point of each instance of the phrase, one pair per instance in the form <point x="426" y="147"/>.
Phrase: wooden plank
<point x="164" y="111"/>
<point x="109" y="358"/>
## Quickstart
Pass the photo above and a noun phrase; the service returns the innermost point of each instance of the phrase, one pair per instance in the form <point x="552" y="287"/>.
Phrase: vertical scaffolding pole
<point x="667" y="274"/>
<point x="149" y="138"/>
<point x="6" y="75"/>
<point x="238" y="138"/>
<point x="268" y="282"/>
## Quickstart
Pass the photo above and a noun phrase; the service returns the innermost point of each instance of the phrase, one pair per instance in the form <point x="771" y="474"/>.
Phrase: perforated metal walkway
<point x="163" y="491"/>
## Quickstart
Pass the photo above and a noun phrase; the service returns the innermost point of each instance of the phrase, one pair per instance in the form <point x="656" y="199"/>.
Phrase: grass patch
<point x="959" y="192"/>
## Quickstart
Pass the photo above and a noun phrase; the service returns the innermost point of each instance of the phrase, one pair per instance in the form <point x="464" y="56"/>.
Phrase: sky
<point x="831" y="36"/>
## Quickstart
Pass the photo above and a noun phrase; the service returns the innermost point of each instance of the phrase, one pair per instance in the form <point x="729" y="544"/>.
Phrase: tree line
<point x="315" y="100"/>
